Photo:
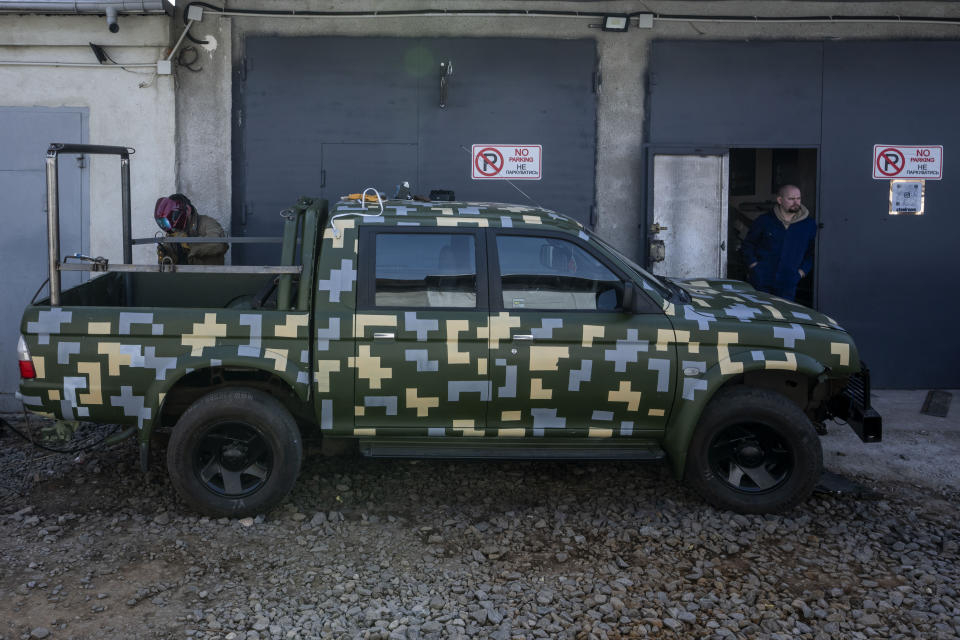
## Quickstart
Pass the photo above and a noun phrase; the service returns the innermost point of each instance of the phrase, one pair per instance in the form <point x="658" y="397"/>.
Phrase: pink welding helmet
<point x="173" y="213"/>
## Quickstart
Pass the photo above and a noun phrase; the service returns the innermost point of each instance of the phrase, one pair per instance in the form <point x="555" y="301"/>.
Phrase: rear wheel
<point x="234" y="452"/>
<point x="754" y="451"/>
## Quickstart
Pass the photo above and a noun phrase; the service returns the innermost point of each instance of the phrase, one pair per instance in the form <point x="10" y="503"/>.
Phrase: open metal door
<point x="688" y="214"/>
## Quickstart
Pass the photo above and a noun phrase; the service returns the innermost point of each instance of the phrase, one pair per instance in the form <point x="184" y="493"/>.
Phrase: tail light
<point x="25" y="362"/>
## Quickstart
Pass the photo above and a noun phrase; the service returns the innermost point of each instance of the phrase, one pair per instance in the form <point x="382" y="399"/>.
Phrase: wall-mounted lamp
<point x="616" y="23"/>
<point x="99" y="52"/>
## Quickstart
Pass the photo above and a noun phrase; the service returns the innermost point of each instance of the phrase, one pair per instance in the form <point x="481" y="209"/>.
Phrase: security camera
<point x="112" y="20"/>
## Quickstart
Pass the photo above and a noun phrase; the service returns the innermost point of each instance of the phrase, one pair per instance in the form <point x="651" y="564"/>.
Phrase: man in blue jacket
<point x="778" y="249"/>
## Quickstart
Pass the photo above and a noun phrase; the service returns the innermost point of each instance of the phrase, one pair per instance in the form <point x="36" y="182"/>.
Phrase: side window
<point x="425" y="270"/>
<point x="550" y="273"/>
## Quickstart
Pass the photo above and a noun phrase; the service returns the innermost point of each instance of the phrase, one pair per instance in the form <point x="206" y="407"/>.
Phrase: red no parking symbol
<point x="489" y="162"/>
<point x="890" y="162"/>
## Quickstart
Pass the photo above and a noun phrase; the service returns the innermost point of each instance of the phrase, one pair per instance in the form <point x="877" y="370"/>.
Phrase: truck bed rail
<point x="291" y="242"/>
<point x="178" y="268"/>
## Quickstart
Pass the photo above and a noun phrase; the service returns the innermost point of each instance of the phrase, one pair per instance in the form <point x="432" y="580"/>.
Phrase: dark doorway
<point x="755" y="177"/>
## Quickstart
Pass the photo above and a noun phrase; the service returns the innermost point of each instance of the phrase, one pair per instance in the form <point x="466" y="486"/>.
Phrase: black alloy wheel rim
<point x="233" y="459"/>
<point x="751" y="458"/>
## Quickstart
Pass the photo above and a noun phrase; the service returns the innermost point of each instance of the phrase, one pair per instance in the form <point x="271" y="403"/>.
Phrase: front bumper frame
<point x="853" y="407"/>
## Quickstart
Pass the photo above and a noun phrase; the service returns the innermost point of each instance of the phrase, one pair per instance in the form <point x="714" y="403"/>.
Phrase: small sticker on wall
<point x="907" y="197"/>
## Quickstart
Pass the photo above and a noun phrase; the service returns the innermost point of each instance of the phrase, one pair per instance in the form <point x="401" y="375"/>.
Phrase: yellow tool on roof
<point x="356" y="196"/>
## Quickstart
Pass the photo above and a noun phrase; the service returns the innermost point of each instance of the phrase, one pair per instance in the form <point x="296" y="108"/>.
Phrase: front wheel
<point x="754" y="451"/>
<point x="234" y="452"/>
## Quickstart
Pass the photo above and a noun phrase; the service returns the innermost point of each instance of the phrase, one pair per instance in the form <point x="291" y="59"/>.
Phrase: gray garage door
<point x="893" y="278"/>
<point x="331" y="116"/>
<point x="24" y="137"/>
<point x="890" y="280"/>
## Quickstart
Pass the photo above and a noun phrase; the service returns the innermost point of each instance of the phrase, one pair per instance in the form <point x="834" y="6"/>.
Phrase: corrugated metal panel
<point x="888" y="279"/>
<point x="760" y="94"/>
<point x="891" y="280"/>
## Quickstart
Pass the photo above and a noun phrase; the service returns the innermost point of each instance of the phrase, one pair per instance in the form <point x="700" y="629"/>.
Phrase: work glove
<point x="176" y="251"/>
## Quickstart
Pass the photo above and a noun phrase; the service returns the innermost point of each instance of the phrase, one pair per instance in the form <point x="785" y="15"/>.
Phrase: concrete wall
<point x="133" y="108"/>
<point x="204" y="99"/>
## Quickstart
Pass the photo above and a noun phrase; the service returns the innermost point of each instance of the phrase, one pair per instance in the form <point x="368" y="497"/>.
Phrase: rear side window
<point x="550" y="273"/>
<point x="422" y="270"/>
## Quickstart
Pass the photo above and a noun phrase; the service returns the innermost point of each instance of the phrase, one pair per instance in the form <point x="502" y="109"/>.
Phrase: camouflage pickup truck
<point x="446" y="329"/>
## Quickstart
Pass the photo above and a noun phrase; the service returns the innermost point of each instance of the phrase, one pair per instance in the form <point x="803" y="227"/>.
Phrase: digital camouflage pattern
<point x="455" y="373"/>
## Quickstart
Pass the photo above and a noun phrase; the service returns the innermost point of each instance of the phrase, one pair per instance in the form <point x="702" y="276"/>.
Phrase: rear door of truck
<point x="421" y="364"/>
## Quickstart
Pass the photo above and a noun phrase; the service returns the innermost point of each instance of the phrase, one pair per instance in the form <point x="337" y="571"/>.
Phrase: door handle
<point x="382" y="336"/>
<point x="524" y="336"/>
<point x="657" y="228"/>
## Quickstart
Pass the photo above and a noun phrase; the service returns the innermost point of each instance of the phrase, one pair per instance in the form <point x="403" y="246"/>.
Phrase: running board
<point x="455" y="448"/>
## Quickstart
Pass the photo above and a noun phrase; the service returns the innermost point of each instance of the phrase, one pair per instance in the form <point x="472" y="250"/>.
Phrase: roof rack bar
<point x="212" y="240"/>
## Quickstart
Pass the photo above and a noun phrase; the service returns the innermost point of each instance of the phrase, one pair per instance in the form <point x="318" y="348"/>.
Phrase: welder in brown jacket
<point x="178" y="218"/>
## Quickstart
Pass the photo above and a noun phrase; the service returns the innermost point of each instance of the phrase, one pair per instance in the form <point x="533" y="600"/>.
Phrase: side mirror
<point x="629" y="297"/>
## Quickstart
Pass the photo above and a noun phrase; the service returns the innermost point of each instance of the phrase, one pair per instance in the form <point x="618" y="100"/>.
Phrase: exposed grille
<point x="858" y="388"/>
<point x="866" y="422"/>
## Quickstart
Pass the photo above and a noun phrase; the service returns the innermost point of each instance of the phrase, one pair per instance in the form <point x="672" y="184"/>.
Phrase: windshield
<point x="648" y="278"/>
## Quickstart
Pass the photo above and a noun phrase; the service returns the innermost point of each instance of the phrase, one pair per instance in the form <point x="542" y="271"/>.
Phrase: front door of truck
<point x="421" y="358"/>
<point x="565" y="358"/>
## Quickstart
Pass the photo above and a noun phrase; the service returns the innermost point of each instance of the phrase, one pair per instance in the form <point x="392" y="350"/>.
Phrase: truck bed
<point x="170" y="290"/>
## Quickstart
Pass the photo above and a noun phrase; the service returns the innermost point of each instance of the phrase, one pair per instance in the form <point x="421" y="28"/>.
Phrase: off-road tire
<point x="754" y="451"/>
<point x="234" y="452"/>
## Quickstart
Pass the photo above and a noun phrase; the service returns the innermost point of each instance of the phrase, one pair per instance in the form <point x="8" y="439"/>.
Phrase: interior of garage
<point x="755" y="177"/>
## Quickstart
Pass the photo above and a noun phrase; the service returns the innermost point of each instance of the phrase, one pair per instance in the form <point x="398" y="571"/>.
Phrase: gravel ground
<point x="91" y="548"/>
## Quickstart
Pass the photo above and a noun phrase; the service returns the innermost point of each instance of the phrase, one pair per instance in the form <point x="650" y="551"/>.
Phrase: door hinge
<point x="593" y="216"/>
<point x="243" y="68"/>
<point x="657" y="252"/>
<point x="81" y="161"/>
<point x="446" y="70"/>
<point x="597" y="79"/>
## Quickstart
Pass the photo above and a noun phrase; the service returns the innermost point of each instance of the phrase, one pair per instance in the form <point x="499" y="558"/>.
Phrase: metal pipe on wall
<point x="86" y="6"/>
<point x="125" y="195"/>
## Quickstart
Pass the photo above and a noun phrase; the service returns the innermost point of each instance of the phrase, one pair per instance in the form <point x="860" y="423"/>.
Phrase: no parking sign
<point x="916" y="162"/>
<point x="506" y="162"/>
